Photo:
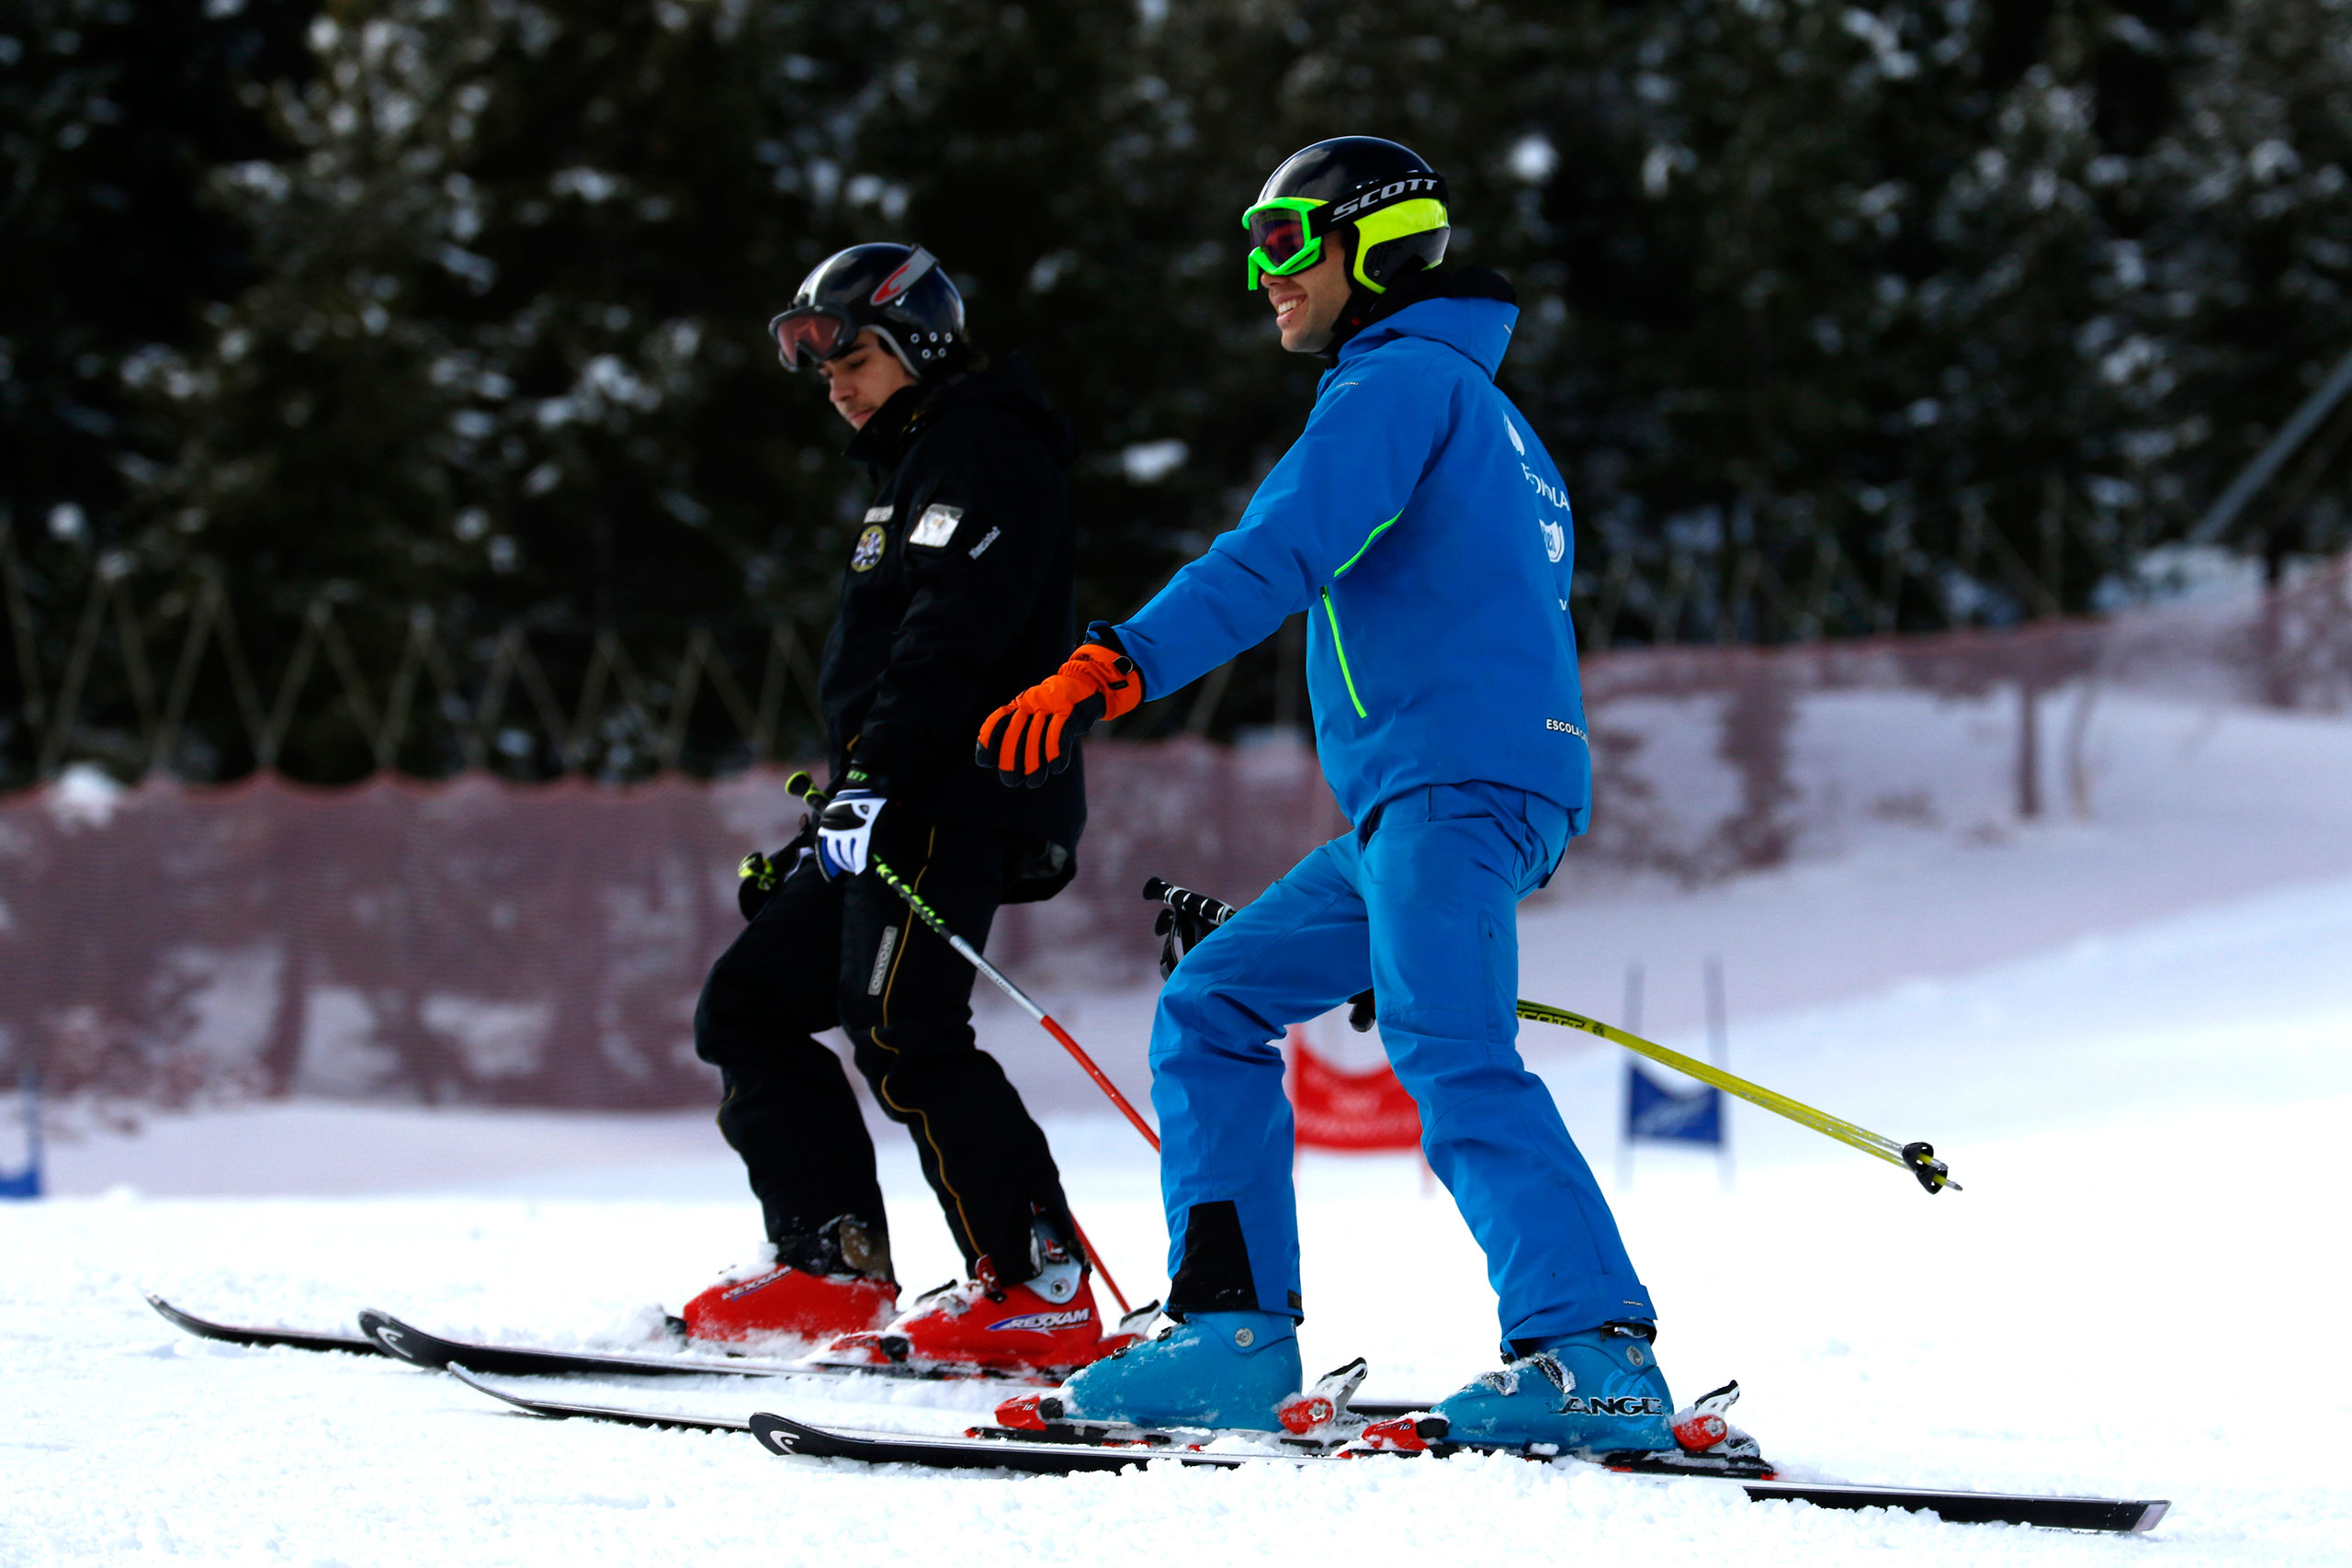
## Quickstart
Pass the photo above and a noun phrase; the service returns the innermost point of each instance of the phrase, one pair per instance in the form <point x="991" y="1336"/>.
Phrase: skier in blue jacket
<point x="1426" y="532"/>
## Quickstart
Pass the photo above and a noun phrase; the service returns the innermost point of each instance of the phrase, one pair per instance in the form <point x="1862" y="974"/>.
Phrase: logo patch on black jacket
<point x="869" y="547"/>
<point x="935" y="526"/>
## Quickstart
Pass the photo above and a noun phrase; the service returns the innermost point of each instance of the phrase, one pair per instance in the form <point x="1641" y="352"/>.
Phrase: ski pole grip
<point x="800" y="786"/>
<point x="1185" y="901"/>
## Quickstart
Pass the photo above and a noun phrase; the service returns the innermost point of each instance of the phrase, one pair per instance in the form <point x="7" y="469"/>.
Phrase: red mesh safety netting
<point x="486" y="942"/>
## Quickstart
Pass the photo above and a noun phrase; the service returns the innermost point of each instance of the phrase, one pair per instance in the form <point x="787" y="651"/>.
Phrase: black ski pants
<point x="850" y="952"/>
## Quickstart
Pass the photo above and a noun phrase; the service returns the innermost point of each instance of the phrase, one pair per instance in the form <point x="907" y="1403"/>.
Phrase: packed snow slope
<point x="2135" y="1050"/>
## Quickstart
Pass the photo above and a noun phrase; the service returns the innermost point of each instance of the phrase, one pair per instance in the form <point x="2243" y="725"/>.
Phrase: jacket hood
<point x="1471" y="310"/>
<point x="1007" y="383"/>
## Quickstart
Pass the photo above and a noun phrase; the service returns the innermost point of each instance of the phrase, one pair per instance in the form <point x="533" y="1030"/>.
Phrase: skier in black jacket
<point x="959" y="587"/>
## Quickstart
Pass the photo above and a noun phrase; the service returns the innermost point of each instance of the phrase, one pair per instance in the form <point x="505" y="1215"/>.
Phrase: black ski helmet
<point x="1382" y="194"/>
<point x="898" y="290"/>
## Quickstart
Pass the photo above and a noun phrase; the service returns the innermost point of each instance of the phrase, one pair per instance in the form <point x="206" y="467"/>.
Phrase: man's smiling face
<point x="1307" y="304"/>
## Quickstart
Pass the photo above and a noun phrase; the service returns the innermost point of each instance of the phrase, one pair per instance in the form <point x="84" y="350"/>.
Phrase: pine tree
<point x="1840" y="319"/>
<point x="2250" y="259"/>
<point x="508" y="360"/>
<point x="112" y="117"/>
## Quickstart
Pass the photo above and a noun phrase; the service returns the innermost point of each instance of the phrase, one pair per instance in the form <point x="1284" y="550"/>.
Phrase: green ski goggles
<point x="1286" y="235"/>
<point x="1283" y="237"/>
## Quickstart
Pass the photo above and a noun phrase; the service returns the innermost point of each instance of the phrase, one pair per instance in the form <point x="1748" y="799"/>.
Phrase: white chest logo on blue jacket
<point x="1511" y="428"/>
<point x="1556" y="538"/>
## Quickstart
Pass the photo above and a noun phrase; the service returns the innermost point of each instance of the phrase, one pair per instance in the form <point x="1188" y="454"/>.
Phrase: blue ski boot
<point x="1598" y="1392"/>
<point x="1214" y="1369"/>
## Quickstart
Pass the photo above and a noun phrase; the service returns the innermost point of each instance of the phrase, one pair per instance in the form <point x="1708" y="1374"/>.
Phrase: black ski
<point x="420" y="1347"/>
<point x="782" y="1435"/>
<point x="237" y="1334"/>
<point x="381" y="1334"/>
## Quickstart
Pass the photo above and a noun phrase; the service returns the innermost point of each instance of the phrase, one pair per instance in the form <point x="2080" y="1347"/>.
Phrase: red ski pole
<point x="928" y="917"/>
<point x="1020" y="998"/>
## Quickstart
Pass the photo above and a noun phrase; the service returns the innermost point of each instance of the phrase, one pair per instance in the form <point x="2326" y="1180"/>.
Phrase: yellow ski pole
<point x="1919" y="1159"/>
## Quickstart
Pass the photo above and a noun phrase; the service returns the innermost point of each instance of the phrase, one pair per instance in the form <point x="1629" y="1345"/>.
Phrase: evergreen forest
<point x="384" y="384"/>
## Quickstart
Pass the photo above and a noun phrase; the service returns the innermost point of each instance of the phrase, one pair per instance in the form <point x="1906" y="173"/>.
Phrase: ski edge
<point x="2111" y="1516"/>
<point x="560" y="1411"/>
<point x="782" y="1436"/>
<point x="405" y="1341"/>
<point x="242" y="1333"/>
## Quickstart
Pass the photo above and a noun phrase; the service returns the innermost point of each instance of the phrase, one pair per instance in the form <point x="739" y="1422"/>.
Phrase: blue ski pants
<point x="1420" y="904"/>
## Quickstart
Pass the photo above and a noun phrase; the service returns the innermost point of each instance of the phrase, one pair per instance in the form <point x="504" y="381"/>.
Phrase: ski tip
<point x="186" y="1322"/>
<point x="403" y="1342"/>
<point x="780" y="1435"/>
<point x="472" y="1381"/>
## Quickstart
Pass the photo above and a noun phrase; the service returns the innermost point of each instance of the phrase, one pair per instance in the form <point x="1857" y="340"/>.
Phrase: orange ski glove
<point x="1034" y="734"/>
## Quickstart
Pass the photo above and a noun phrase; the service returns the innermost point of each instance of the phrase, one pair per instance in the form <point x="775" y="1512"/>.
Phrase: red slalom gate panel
<point x="1335" y="1109"/>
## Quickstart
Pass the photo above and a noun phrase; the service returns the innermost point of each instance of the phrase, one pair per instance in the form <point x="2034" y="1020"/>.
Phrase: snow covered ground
<point x="2131" y="1036"/>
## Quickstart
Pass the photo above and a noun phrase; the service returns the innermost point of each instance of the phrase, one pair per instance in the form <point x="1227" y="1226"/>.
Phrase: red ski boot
<point x="784" y="1301"/>
<point x="816" y="1295"/>
<point x="1047" y="1328"/>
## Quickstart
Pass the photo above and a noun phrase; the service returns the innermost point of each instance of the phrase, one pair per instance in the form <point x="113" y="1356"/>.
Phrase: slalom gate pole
<point x="800" y="784"/>
<point x="1919" y="1159"/>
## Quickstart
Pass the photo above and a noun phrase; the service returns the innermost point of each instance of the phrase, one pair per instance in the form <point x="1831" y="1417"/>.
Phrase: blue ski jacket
<point x="1427" y="533"/>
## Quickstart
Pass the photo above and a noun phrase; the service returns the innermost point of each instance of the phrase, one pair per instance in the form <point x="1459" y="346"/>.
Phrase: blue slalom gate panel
<point x="26" y="1183"/>
<point x="1655" y="1114"/>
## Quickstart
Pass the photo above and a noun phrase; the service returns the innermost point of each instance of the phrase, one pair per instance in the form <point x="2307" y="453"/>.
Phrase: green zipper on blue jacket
<point x="1341" y="648"/>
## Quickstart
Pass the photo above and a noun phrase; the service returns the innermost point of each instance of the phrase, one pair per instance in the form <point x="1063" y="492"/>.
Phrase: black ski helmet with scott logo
<point x="899" y="291"/>
<point x="1380" y="195"/>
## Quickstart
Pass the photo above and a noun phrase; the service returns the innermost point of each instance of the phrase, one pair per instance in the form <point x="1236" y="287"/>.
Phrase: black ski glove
<point x="1178" y="933"/>
<point x="760" y="875"/>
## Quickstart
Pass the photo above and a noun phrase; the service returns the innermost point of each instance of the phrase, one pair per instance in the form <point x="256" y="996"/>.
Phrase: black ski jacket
<point x="959" y="595"/>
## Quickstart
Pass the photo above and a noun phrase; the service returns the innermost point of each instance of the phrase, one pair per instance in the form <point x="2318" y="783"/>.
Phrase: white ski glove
<point x="845" y="832"/>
